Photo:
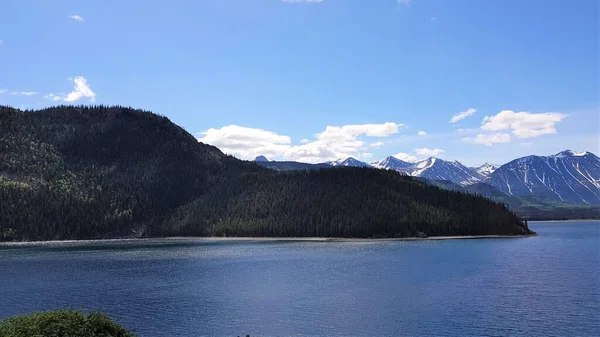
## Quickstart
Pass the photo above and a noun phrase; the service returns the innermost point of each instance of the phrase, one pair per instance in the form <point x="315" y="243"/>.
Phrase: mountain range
<point x="91" y="172"/>
<point x="567" y="177"/>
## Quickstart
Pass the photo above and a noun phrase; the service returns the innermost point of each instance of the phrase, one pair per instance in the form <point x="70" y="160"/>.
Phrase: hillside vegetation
<point x="101" y="172"/>
<point x="62" y="323"/>
<point x="530" y="207"/>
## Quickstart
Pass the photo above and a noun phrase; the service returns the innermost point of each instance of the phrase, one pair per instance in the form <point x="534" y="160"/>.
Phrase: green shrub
<point x="62" y="323"/>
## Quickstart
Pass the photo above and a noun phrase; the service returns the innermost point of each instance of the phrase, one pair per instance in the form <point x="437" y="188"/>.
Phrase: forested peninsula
<point x="91" y="172"/>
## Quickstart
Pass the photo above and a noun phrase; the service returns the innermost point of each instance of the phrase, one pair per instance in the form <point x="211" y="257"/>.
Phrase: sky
<point x="318" y="80"/>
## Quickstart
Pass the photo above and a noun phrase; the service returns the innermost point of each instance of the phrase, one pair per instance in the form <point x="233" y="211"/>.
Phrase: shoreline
<point x="252" y="239"/>
<point x="568" y="220"/>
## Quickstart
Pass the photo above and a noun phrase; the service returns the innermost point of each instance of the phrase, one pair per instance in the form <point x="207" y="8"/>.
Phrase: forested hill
<point x="99" y="172"/>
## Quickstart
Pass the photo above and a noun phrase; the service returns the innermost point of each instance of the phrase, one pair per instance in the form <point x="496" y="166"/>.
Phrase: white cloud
<point x="80" y="89"/>
<point x="404" y="2"/>
<point x="235" y="135"/>
<point x="334" y="143"/>
<point x="315" y="152"/>
<point x="54" y="97"/>
<point x="421" y="133"/>
<point x="433" y="18"/>
<point x="23" y="93"/>
<point x="376" y="145"/>
<point x="304" y="141"/>
<point x="429" y="152"/>
<point x="462" y="115"/>
<point x="488" y="139"/>
<point x="468" y="131"/>
<point x="523" y="124"/>
<point x="247" y="142"/>
<point x="17" y="93"/>
<point x="77" y="18"/>
<point x="406" y="157"/>
<point x="350" y="132"/>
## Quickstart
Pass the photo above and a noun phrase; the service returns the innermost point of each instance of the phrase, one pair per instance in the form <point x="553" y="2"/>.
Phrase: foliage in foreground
<point x="62" y="323"/>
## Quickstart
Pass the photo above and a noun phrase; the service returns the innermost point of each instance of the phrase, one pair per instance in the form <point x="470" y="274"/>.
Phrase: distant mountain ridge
<point x="528" y="206"/>
<point x="567" y="177"/>
<point x="438" y="169"/>
<point x="352" y="162"/>
<point x="261" y="158"/>
<point x="486" y="169"/>
<point x="392" y="163"/>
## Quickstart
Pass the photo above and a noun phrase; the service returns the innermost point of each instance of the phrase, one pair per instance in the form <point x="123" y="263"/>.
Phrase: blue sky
<point x="316" y="80"/>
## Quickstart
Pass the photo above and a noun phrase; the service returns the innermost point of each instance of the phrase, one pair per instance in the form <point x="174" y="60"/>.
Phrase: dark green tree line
<point x="72" y="172"/>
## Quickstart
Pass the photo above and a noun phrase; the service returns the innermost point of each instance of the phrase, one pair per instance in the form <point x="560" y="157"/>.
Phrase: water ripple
<point x="547" y="285"/>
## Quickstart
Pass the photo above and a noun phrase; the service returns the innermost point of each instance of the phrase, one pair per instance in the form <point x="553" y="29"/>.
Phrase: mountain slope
<point x="290" y="165"/>
<point x="79" y="172"/>
<point x="566" y="177"/>
<point x="392" y="163"/>
<point x="103" y="172"/>
<point x="348" y="162"/>
<point x="529" y="207"/>
<point x="434" y="169"/>
<point x="339" y="202"/>
<point x="294" y="165"/>
<point x="438" y="169"/>
<point x="485" y="170"/>
<point x="431" y="168"/>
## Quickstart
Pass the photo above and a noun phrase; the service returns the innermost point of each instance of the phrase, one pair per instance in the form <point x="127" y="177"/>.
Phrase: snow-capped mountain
<point x="438" y="169"/>
<point x="432" y="169"/>
<point x="485" y="170"/>
<point x="348" y="162"/>
<point x="568" y="176"/>
<point x="571" y="177"/>
<point x="391" y="163"/>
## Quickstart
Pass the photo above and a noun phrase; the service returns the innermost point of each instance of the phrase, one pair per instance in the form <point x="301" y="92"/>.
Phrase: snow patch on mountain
<point x="434" y="169"/>
<point x="391" y="163"/>
<point x="485" y="169"/>
<point x="569" y="153"/>
<point x="348" y="162"/>
<point x="567" y="176"/>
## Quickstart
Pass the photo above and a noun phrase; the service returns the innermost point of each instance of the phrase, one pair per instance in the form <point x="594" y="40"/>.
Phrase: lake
<point x="547" y="285"/>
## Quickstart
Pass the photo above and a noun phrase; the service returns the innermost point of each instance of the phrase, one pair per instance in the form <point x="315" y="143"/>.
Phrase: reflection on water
<point x="546" y="285"/>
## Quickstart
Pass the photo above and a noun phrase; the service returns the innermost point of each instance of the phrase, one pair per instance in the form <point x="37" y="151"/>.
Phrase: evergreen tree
<point x="76" y="172"/>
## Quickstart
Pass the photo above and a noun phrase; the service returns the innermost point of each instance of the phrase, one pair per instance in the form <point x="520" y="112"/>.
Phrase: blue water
<point x="548" y="285"/>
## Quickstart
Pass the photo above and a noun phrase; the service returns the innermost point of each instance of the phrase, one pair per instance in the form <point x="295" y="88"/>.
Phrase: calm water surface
<point x="547" y="285"/>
